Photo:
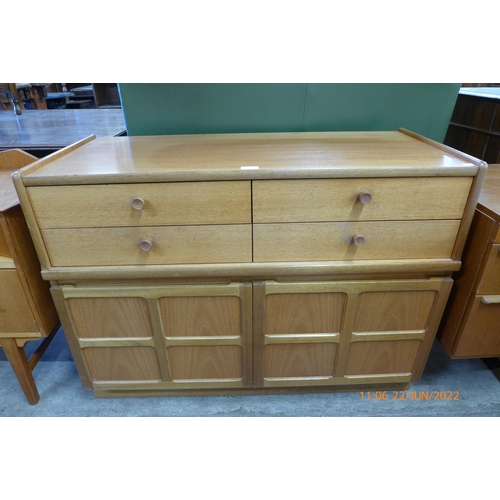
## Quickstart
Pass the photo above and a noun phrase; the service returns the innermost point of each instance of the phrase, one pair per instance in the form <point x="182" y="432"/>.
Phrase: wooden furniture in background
<point x="27" y="95"/>
<point x="106" y="95"/>
<point x="41" y="132"/>
<point x="27" y="310"/>
<point x="250" y="262"/>
<point x="96" y="95"/>
<point x="471" y="323"/>
<point x="475" y="123"/>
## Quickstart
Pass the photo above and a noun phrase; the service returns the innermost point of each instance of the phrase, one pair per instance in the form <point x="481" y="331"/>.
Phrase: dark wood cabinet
<point x="475" y="123"/>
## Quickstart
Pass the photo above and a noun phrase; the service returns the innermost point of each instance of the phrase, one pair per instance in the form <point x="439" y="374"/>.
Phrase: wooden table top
<point x="57" y="128"/>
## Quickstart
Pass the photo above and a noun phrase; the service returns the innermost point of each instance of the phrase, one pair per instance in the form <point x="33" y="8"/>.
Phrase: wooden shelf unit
<point x="475" y="123"/>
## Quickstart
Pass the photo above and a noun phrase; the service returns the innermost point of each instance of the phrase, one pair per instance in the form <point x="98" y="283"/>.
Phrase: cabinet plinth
<point x="324" y="267"/>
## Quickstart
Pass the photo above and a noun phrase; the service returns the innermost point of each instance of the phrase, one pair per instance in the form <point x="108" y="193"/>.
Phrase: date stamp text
<point x="410" y="395"/>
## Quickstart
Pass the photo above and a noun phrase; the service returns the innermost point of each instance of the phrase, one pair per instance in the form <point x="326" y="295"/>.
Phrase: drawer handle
<point x="365" y="197"/>
<point x="137" y="203"/>
<point x="358" y="240"/>
<point x="146" y="244"/>
<point x="490" y="299"/>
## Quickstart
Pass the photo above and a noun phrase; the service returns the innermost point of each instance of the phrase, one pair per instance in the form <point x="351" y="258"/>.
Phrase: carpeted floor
<point x="474" y="387"/>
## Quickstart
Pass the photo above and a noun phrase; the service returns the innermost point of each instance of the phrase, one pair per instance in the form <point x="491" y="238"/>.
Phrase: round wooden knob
<point x="365" y="197"/>
<point x="358" y="240"/>
<point x="137" y="203"/>
<point x="146" y="244"/>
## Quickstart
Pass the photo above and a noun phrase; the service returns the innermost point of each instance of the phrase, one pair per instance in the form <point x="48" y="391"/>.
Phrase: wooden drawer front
<point x="178" y="203"/>
<point x="15" y="311"/>
<point x="490" y="281"/>
<point x="334" y="241"/>
<point x="169" y="245"/>
<point x="481" y="334"/>
<point x="324" y="200"/>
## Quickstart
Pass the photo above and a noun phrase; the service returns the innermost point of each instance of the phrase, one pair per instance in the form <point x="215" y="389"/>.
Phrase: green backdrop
<point x="199" y="108"/>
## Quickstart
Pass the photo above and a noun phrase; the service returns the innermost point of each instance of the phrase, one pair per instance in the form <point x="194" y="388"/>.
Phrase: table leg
<point x="20" y="365"/>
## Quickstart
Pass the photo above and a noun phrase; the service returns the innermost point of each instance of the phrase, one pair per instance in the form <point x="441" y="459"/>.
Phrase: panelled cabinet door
<point x="162" y="337"/>
<point x="322" y="333"/>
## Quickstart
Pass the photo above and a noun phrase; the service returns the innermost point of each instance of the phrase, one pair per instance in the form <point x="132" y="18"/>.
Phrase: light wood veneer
<point x="27" y="311"/>
<point x="237" y="263"/>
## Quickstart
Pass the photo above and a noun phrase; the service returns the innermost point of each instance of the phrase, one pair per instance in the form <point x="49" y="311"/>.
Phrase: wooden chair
<point x="27" y="311"/>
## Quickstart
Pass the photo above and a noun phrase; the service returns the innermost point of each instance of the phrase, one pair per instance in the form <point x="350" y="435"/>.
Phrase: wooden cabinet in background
<point x="106" y="95"/>
<point x="223" y="264"/>
<point x="475" y="123"/>
<point x="27" y="310"/>
<point x="471" y="323"/>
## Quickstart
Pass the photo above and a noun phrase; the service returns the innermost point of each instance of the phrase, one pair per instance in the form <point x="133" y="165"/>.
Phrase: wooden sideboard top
<point x="249" y="156"/>
<point x="489" y="199"/>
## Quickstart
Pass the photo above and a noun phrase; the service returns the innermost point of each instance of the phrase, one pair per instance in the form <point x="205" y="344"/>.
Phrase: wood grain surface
<point x="334" y="241"/>
<point x="324" y="200"/>
<point x="184" y="203"/>
<point x="171" y="245"/>
<point x="278" y="155"/>
<point x="372" y="358"/>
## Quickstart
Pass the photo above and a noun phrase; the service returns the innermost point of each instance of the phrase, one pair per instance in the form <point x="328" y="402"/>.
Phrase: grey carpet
<point x="62" y="395"/>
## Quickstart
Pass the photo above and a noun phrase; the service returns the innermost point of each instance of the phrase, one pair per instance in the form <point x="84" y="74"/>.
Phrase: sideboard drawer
<point x="161" y="204"/>
<point x="149" y="245"/>
<point x="324" y="200"/>
<point x="336" y="240"/>
<point x="490" y="281"/>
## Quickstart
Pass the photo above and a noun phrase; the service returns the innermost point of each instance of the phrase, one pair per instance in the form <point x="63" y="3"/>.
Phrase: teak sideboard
<point x="234" y="263"/>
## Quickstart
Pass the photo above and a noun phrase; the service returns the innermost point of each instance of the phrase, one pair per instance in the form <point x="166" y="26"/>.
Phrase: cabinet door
<point x="341" y="333"/>
<point x="161" y="337"/>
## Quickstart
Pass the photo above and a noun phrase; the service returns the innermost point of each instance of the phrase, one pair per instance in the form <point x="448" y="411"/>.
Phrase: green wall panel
<point x="155" y="108"/>
<point x="212" y="108"/>
<point x="422" y="108"/>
